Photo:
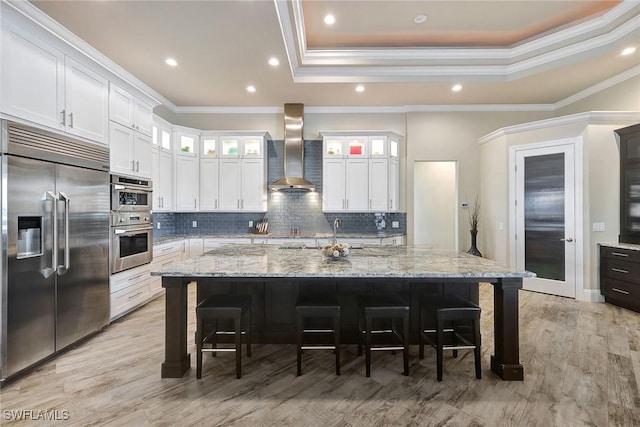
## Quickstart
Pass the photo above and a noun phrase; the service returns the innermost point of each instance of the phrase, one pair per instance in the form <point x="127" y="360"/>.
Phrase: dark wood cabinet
<point x="629" y="139"/>
<point x="620" y="276"/>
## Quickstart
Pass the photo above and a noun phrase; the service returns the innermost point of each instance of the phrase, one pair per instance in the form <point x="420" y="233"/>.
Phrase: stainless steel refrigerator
<point x="55" y="244"/>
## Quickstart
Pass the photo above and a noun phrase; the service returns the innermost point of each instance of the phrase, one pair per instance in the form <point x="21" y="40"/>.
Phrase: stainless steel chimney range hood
<point x="293" y="152"/>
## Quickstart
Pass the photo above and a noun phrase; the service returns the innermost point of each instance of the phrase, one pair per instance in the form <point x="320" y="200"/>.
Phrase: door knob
<point x="568" y="239"/>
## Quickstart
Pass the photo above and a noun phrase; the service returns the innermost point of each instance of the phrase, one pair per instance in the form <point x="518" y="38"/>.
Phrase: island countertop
<point x="270" y="261"/>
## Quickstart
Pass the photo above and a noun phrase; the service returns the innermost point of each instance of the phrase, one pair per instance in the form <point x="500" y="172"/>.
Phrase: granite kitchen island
<point x="274" y="276"/>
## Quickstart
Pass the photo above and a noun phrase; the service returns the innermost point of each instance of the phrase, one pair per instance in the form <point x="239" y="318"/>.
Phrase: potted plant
<point x="474" y="217"/>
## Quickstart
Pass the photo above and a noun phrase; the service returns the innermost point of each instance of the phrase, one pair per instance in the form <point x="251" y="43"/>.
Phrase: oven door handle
<point x="131" y="230"/>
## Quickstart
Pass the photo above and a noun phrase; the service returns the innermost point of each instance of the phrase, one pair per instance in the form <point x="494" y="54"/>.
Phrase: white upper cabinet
<point x="42" y="85"/>
<point x="361" y="171"/>
<point x="162" y="166"/>
<point x="130" y="151"/>
<point x="32" y="79"/>
<point x="129" y="111"/>
<point x="187" y="188"/>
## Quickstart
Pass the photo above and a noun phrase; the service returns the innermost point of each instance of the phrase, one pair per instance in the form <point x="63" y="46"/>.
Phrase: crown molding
<point x="588" y="118"/>
<point x="430" y="64"/>
<point x="605" y="84"/>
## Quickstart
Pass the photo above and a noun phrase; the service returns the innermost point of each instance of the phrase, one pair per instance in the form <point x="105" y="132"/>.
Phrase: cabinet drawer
<point x="621" y="254"/>
<point x="131" y="297"/>
<point x="621" y="290"/>
<point x="621" y="270"/>
<point x="128" y="278"/>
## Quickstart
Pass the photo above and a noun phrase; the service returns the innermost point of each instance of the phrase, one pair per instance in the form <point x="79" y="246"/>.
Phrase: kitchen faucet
<point x="336" y="225"/>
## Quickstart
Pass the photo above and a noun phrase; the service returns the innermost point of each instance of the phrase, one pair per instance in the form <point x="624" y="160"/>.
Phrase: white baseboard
<point x="591" y="295"/>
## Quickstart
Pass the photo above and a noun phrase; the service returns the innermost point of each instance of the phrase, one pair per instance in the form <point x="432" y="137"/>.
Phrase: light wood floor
<point x="582" y="367"/>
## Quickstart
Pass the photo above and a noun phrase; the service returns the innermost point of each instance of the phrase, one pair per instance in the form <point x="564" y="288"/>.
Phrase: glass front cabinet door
<point x="629" y="139"/>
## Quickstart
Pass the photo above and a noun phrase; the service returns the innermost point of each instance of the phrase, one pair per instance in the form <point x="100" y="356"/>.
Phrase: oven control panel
<point x="131" y="218"/>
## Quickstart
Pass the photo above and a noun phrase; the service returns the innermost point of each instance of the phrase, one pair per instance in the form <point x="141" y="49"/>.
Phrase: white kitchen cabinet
<point x="187" y="182"/>
<point x="357" y="188"/>
<point x="129" y="289"/>
<point x="371" y="176"/>
<point x="242" y="173"/>
<point x="393" y="241"/>
<point x="129" y="111"/>
<point x="356" y="146"/>
<point x="242" y="185"/>
<point x="209" y="172"/>
<point x="162" y="166"/>
<point x="333" y="183"/>
<point x="378" y="184"/>
<point x="345" y="185"/>
<point x="162" y="178"/>
<point x="130" y="151"/>
<point x="42" y="85"/>
<point x="394" y="185"/>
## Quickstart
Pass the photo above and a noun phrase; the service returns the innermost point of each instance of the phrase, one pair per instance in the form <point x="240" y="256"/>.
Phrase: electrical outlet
<point x="395" y="224"/>
<point x="597" y="226"/>
<point x="158" y="226"/>
<point x="194" y="224"/>
<point x="250" y="224"/>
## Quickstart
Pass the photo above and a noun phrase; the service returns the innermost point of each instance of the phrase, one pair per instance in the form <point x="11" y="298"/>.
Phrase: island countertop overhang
<point x="398" y="262"/>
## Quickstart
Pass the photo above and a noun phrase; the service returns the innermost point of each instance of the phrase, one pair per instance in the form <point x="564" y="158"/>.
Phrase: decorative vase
<point x="473" y="250"/>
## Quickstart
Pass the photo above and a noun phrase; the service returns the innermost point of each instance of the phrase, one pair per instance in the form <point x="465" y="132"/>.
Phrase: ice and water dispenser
<point x="29" y="236"/>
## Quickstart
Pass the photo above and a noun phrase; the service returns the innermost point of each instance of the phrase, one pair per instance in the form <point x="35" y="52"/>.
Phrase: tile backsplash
<point x="285" y="210"/>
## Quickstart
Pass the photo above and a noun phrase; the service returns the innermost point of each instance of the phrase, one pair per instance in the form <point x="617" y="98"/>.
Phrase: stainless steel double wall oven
<point x="131" y="223"/>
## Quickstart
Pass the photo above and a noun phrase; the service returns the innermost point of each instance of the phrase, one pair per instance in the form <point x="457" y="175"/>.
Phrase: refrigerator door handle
<point x="48" y="271"/>
<point x="66" y="263"/>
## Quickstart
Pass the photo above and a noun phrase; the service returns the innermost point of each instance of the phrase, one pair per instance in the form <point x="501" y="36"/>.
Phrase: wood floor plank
<point x="582" y="367"/>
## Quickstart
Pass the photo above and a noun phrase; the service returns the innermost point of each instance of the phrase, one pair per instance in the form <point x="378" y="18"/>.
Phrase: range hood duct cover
<point x="293" y="152"/>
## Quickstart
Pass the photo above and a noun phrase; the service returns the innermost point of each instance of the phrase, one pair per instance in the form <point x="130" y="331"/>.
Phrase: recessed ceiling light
<point x="456" y="87"/>
<point x="420" y="19"/>
<point x="171" y="62"/>
<point x="273" y="61"/>
<point x="359" y="88"/>
<point x="251" y="89"/>
<point x="329" y="19"/>
<point x="628" y="51"/>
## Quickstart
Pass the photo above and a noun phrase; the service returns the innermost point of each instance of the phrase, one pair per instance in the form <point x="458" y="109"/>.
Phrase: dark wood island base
<point x="273" y="312"/>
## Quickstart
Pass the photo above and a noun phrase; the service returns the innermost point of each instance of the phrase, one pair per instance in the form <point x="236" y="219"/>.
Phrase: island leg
<point x="176" y="359"/>
<point x="506" y="360"/>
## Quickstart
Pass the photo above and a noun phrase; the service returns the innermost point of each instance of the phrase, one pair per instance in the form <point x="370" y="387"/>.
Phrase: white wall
<point x="435" y="204"/>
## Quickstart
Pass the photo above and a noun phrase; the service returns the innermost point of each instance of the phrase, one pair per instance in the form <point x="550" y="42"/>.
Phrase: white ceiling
<point x="502" y="52"/>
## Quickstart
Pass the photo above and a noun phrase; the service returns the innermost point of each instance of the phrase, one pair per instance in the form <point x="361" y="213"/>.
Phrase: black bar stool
<point x="446" y="310"/>
<point x="389" y="307"/>
<point x="317" y="306"/>
<point x="219" y="307"/>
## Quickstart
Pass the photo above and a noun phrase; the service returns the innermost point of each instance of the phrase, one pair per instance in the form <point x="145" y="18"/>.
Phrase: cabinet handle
<point x="135" y="295"/>
<point x="238" y="203"/>
<point x="619" y="254"/>
<point x="195" y="203"/>
<point x="133" y="165"/>
<point x="136" y="277"/>
<point x="347" y="204"/>
<point x="70" y="120"/>
<point x="138" y="166"/>
<point x="64" y="118"/>
<point x="241" y="203"/>
<point x="620" y="270"/>
<point x="620" y="291"/>
<point x="342" y="203"/>
<point x="216" y="204"/>
<point x="369" y="203"/>
<point x="390" y="203"/>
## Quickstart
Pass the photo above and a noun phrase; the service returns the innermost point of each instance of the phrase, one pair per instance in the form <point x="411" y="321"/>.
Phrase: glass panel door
<point x="544" y="215"/>
<point x="545" y="218"/>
